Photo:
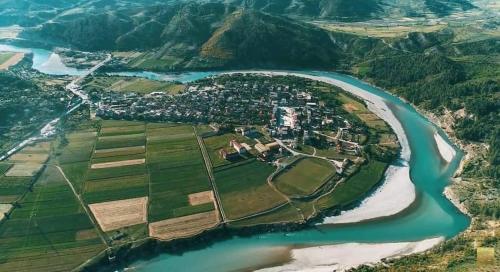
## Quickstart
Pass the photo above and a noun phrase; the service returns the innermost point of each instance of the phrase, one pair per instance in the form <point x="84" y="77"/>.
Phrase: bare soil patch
<point x="28" y="157"/>
<point x="350" y="107"/>
<point x="42" y="147"/>
<point x="201" y="198"/>
<point x="85" y="234"/>
<point x="183" y="226"/>
<point x="121" y="213"/>
<point x="15" y="59"/>
<point x="3" y="209"/>
<point x="117" y="163"/>
<point x="23" y="170"/>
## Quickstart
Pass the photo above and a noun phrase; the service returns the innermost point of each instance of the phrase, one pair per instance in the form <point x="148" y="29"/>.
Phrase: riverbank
<point x="340" y="257"/>
<point x="445" y="122"/>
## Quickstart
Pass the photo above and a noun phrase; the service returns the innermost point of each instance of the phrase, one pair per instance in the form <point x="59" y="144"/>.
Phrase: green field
<point x="11" y="188"/>
<point x="355" y="187"/>
<point x="118" y="141"/>
<point x="177" y="170"/>
<point x="244" y="190"/>
<point x="48" y="231"/>
<point x="79" y="147"/>
<point x="285" y="214"/>
<point x="304" y="177"/>
<point x="131" y="84"/>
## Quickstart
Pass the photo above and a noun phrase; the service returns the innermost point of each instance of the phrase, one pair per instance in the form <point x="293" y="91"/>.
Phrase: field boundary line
<point x="99" y="231"/>
<point x="208" y="166"/>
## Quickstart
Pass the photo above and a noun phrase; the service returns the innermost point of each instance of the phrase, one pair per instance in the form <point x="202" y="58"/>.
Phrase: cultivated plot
<point x="121" y="213"/>
<point x="43" y="233"/>
<point x="184" y="226"/>
<point x="244" y="190"/>
<point x="177" y="170"/>
<point x="304" y="177"/>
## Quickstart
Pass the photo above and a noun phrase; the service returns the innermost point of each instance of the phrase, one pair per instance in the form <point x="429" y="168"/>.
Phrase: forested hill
<point x="210" y="35"/>
<point x="36" y="12"/>
<point x="443" y="75"/>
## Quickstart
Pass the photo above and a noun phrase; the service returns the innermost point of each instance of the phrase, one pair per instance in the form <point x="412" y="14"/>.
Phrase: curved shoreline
<point x="382" y="112"/>
<point x="397" y="176"/>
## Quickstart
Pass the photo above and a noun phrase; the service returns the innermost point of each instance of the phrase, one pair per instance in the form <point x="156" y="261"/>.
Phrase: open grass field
<point x="304" y="177"/>
<point x="244" y="190"/>
<point x="354" y="187"/>
<point x="79" y="147"/>
<point x="359" y="109"/>
<point x="23" y="170"/>
<point x="136" y="85"/>
<point x="44" y="232"/>
<point x="177" y="170"/>
<point x="285" y="214"/>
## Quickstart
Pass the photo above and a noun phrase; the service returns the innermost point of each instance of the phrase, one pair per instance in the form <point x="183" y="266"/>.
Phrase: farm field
<point x="284" y="214"/>
<point x="244" y="190"/>
<point x="49" y="231"/>
<point x="137" y="85"/>
<point x="184" y="226"/>
<point x="304" y="177"/>
<point x="117" y="169"/>
<point x="177" y="170"/>
<point x="19" y="172"/>
<point x="359" y="109"/>
<point x="355" y="186"/>
<point x="9" y="59"/>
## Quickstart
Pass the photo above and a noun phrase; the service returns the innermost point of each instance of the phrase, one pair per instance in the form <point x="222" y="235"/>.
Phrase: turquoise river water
<point x="432" y="215"/>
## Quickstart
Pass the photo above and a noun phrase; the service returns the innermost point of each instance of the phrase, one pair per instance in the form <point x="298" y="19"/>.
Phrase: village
<point x="256" y="106"/>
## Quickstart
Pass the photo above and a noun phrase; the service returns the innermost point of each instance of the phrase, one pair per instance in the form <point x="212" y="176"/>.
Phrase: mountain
<point x="192" y="35"/>
<point x="348" y="10"/>
<point x="35" y="12"/>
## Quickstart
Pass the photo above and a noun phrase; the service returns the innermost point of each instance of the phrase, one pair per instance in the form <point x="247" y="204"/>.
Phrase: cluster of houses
<point x="292" y="114"/>
<point x="237" y="149"/>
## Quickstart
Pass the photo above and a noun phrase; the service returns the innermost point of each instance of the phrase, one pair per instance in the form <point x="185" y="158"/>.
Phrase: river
<point x="431" y="215"/>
